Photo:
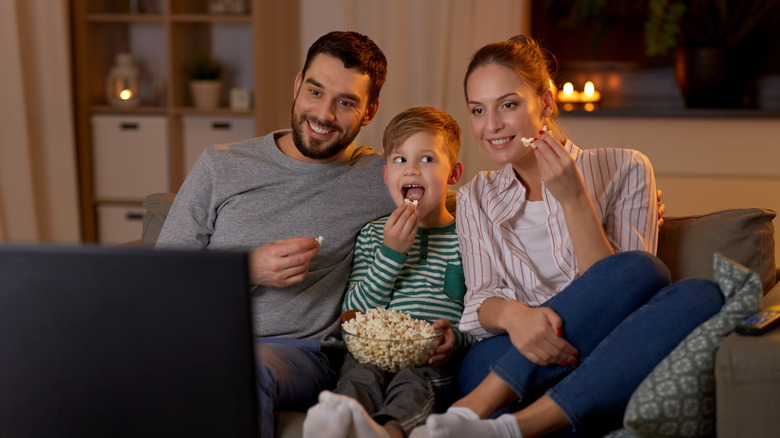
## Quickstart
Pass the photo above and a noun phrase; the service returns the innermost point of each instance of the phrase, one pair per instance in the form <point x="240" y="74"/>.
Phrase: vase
<point x="205" y="93"/>
<point x="707" y="78"/>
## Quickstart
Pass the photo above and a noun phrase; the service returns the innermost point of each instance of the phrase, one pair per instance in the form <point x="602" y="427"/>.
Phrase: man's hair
<point x="355" y="51"/>
<point x="422" y="119"/>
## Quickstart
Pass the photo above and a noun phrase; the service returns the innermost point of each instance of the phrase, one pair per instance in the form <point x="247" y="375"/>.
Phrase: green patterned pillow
<point x="677" y="399"/>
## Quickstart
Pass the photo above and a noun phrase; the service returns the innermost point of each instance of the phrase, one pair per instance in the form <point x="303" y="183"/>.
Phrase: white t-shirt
<point x="532" y="227"/>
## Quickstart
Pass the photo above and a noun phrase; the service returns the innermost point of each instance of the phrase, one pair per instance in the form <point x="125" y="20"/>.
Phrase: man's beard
<point x="312" y="150"/>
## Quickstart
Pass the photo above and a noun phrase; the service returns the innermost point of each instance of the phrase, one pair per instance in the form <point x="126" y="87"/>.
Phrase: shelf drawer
<point x="130" y="155"/>
<point x="118" y="224"/>
<point x="201" y="132"/>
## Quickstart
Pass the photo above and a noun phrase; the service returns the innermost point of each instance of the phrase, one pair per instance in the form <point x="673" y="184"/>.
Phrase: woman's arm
<point x="564" y="181"/>
<point x="482" y="280"/>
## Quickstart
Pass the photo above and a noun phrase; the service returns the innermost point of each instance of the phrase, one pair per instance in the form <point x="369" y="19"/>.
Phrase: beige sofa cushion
<point x="687" y="244"/>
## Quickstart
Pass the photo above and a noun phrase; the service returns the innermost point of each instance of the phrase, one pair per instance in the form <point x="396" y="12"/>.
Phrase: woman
<point x="567" y="328"/>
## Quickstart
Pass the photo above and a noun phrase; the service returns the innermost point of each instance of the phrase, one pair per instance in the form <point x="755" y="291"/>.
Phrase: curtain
<point x="428" y="45"/>
<point x="38" y="194"/>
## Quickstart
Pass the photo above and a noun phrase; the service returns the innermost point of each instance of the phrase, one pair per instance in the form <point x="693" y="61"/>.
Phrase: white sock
<point x="327" y="419"/>
<point x="364" y="426"/>
<point x="425" y="431"/>
<point x="458" y="421"/>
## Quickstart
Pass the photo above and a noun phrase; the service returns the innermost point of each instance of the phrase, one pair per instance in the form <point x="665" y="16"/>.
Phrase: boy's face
<point x="419" y="169"/>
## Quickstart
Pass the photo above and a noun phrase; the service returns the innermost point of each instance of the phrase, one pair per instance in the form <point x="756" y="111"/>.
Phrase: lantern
<point x="122" y="82"/>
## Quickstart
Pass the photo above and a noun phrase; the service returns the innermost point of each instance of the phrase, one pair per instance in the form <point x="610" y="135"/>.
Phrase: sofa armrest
<point x="157" y="206"/>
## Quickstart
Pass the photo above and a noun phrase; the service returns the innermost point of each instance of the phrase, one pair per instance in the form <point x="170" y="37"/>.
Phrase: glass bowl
<point x="391" y="355"/>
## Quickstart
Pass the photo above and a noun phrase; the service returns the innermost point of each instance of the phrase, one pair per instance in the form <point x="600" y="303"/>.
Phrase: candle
<point x="568" y="93"/>
<point x="590" y="94"/>
<point x="568" y="96"/>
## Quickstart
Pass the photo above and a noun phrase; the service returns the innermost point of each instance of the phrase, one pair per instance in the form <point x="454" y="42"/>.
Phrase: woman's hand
<point x="401" y="227"/>
<point x="446" y="348"/>
<point x="536" y="332"/>
<point x="557" y="170"/>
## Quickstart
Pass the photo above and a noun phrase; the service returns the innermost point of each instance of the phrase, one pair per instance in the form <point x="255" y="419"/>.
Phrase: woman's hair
<point x="527" y="58"/>
<point x="422" y="119"/>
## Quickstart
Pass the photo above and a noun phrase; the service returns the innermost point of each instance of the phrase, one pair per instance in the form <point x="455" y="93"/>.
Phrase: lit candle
<point x="568" y="94"/>
<point x="125" y="94"/>
<point x="590" y="94"/>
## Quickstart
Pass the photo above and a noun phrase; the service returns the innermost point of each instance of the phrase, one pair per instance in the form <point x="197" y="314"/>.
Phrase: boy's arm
<point x="375" y="269"/>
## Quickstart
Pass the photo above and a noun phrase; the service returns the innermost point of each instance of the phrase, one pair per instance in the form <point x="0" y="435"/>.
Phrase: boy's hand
<point x="443" y="353"/>
<point x="282" y="263"/>
<point x="401" y="227"/>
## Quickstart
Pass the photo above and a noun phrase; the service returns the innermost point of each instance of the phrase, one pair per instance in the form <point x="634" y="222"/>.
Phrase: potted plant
<point x="205" y="73"/>
<point x="704" y="35"/>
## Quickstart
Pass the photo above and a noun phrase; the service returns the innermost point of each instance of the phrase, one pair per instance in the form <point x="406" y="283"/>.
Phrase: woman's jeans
<point x="624" y="318"/>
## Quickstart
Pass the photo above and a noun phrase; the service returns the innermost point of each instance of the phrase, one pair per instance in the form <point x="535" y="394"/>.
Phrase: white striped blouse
<point x="621" y="186"/>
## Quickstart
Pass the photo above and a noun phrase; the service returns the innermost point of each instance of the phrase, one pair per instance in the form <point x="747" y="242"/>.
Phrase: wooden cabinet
<point x="162" y="35"/>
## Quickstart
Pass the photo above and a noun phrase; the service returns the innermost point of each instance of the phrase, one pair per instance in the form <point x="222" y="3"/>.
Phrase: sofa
<point x="746" y="368"/>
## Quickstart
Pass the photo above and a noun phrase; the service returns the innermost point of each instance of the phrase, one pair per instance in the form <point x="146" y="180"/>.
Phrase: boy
<point x="408" y="261"/>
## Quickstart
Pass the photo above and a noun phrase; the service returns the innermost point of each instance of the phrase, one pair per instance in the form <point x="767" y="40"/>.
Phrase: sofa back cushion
<point x="745" y="235"/>
<point x="686" y="244"/>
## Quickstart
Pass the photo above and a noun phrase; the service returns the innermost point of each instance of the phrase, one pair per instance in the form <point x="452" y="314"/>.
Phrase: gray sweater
<point x="243" y="195"/>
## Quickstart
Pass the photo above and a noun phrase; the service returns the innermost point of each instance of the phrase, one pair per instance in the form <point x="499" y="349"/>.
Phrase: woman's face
<point x="503" y="108"/>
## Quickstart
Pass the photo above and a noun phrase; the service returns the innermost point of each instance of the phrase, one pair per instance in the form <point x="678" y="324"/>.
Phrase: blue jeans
<point x="290" y="375"/>
<point x="624" y="318"/>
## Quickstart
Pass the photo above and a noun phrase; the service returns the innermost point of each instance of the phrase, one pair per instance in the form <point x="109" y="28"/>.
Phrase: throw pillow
<point x="686" y="244"/>
<point x="677" y="399"/>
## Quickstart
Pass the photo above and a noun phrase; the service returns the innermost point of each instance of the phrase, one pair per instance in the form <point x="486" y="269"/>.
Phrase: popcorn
<point x="390" y="339"/>
<point x="408" y="202"/>
<point x="527" y="142"/>
<point x="320" y="240"/>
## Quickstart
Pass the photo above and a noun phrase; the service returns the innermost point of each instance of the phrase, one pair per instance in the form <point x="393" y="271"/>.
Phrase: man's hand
<point x="446" y="348"/>
<point x="282" y="263"/>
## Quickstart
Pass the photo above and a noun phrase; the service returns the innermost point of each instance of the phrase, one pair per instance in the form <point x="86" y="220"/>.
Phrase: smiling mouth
<point x="500" y="141"/>
<point x="317" y="129"/>
<point x="413" y="192"/>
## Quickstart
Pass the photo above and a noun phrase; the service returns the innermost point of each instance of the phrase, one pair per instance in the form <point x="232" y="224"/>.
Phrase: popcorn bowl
<point x="391" y="355"/>
<point x="390" y="339"/>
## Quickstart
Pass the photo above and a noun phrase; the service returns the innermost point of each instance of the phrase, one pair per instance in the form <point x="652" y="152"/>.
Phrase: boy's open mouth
<point x="413" y="192"/>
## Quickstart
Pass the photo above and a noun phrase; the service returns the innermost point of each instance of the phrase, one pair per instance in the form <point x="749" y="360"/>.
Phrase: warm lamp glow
<point x="568" y="88"/>
<point x="122" y="82"/>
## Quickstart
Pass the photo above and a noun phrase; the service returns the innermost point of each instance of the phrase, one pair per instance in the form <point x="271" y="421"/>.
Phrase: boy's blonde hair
<point x="422" y="119"/>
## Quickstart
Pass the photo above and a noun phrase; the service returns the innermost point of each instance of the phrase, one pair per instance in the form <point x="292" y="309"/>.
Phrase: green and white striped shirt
<point x="427" y="282"/>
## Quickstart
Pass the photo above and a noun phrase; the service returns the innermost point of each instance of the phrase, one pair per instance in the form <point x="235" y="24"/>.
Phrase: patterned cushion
<point x="677" y="399"/>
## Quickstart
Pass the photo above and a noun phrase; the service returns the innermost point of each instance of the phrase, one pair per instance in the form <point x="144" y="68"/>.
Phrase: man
<point x="272" y="195"/>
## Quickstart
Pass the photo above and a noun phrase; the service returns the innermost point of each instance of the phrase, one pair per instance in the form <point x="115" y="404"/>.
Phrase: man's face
<point x="330" y="107"/>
